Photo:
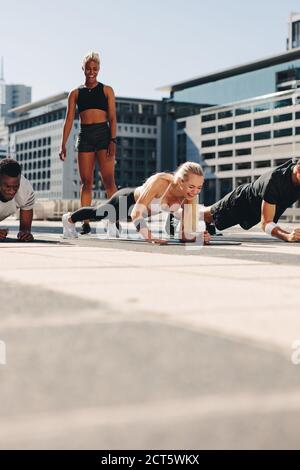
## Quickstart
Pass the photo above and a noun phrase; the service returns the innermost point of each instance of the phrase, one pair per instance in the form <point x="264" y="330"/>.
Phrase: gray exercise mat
<point x="173" y="242"/>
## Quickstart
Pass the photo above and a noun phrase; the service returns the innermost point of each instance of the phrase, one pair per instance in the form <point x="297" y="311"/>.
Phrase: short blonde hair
<point x="91" y="56"/>
<point x="187" y="168"/>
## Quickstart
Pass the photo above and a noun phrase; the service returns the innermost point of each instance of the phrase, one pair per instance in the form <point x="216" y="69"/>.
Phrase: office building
<point x="35" y="135"/>
<point x="248" y="121"/>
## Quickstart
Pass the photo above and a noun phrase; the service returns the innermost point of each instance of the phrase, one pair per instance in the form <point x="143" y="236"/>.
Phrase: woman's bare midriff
<point x="93" y="116"/>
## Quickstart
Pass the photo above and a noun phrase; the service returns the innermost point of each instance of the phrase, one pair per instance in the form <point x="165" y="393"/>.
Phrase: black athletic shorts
<point x="93" y="137"/>
<point x="230" y="210"/>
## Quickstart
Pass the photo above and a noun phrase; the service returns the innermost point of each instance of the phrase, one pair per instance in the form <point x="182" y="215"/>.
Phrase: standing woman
<point x="97" y="136"/>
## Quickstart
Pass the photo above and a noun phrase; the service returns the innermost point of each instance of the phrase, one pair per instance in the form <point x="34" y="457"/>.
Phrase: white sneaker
<point x="111" y="229"/>
<point x="69" y="228"/>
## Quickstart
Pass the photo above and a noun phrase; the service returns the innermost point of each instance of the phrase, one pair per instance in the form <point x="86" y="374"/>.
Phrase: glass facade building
<point x="247" y="121"/>
<point x="296" y="34"/>
<point x="294" y="31"/>
<point x="241" y="83"/>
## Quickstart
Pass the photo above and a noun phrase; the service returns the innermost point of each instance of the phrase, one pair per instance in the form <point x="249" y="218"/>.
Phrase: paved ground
<point x="115" y="344"/>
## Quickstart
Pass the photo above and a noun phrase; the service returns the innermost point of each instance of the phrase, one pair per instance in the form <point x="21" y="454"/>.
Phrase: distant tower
<point x="2" y="69"/>
<point x="2" y="89"/>
<point x="293" y="40"/>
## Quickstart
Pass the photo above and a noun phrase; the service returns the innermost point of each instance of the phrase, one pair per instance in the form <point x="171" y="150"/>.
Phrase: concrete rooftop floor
<point x="124" y="345"/>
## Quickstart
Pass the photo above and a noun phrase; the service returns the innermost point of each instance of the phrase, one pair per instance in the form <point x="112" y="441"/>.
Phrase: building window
<point x="262" y="121"/>
<point x="208" y="156"/>
<point x="225" y="153"/>
<point x="242" y="152"/>
<point x="262" y="164"/>
<point x="262" y="135"/>
<point x="208" y="130"/>
<point x="181" y="125"/>
<point x="243" y="166"/>
<point x="297" y="130"/>
<point x="148" y="109"/>
<point x="283" y="133"/>
<point x="298" y="115"/>
<point x="208" y="117"/>
<point x="242" y="124"/>
<point x="208" y="143"/>
<point x="225" y="127"/>
<point x="263" y="107"/>
<point x="283" y="103"/>
<point x="225" y="141"/>
<point x="241" y="111"/>
<point x="225" y="167"/>
<point x="225" y="114"/>
<point x="283" y="117"/>
<point x="243" y="138"/>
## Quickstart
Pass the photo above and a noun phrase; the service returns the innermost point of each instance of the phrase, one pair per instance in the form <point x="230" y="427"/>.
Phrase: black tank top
<point x="92" y="98"/>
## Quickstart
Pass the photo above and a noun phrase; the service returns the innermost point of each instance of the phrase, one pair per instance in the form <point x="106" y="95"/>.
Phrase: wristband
<point x="269" y="228"/>
<point x="139" y="224"/>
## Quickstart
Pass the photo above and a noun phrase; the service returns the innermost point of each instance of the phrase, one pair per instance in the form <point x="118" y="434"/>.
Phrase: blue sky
<point x="142" y="44"/>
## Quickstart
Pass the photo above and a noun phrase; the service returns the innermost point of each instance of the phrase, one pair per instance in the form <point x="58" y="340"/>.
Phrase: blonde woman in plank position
<point x="169" y="192"/>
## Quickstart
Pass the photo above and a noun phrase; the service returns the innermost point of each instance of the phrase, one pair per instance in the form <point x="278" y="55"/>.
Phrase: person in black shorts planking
<point x="264" y="201"/>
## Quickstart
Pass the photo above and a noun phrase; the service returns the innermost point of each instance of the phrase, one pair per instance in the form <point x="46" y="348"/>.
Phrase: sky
<point x="143" y="44"/>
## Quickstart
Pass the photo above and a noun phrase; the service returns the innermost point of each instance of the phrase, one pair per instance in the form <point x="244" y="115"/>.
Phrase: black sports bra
<point x="92" y="98"/>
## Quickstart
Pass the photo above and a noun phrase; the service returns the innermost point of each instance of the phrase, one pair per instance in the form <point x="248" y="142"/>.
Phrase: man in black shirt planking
<point x="264" y="200"/>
